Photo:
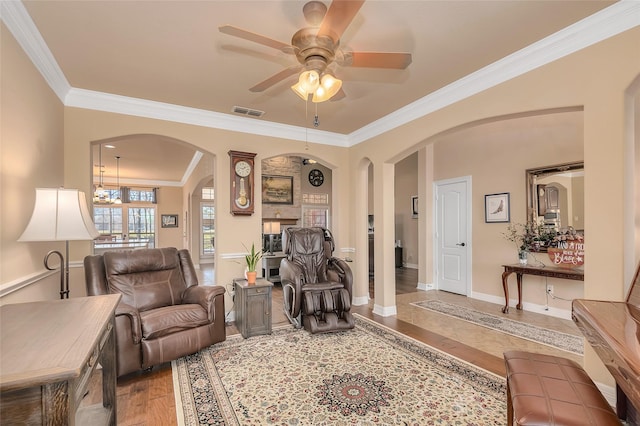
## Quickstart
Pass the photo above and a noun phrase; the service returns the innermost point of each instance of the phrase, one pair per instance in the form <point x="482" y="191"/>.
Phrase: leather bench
<point x="549" y="390"/>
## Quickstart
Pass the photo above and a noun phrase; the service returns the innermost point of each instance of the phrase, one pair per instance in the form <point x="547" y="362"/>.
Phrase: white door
<point x="453" y="245"/>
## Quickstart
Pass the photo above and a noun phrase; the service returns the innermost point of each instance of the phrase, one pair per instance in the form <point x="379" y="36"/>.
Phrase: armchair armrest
<point x="292" y="278"/>
<point x="127" y="310"/>
<point x="343" y="270"/>
<point x="204" y="296"/>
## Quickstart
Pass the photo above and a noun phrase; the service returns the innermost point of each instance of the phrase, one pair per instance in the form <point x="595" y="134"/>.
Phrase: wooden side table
<point x="49" y="350"/>
<point x="253" y="307"/>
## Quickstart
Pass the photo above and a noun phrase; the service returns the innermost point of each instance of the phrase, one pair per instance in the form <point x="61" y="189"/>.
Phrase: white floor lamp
<point x="60" y="215"/>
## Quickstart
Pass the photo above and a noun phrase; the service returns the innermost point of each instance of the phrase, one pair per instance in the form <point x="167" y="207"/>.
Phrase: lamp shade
<point x="327" y="89"/>
<point x="271" y="228"/>
<point x="59" y="215"/>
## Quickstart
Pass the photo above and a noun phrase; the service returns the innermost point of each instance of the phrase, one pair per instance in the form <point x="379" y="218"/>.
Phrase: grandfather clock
<point x="242" y="182"/>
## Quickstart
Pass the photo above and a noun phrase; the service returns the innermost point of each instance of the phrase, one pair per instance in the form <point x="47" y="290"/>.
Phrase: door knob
<point x="460" y="244"/>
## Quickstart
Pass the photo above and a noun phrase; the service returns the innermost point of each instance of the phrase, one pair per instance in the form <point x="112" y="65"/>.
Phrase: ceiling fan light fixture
<point x="329" y="86"/>
<point x="308" y="83"/>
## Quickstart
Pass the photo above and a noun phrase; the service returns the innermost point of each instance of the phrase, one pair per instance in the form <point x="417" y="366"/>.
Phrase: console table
<point x="49" y="350"/>
<point x="547" y="271"/>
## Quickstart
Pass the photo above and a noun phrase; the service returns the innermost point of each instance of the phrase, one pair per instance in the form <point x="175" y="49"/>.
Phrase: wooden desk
<point x="547" y="271"/>
<point x="49" y="350"/>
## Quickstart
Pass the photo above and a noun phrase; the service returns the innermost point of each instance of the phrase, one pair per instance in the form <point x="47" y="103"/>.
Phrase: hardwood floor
<point x="147" y="398"/>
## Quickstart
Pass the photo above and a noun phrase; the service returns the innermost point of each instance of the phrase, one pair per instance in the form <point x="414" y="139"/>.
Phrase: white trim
<point x="385" y="311"/>
<point x="426" y="286"/>
<point x="615" y="19"/>
<point x="360" y="301"/>
<point x="20" y="24"/>
<point x="531" y="307"/>
<point x="232" y="256"/>
<point x="27" y="280"/>
<point x="106" y="102"/>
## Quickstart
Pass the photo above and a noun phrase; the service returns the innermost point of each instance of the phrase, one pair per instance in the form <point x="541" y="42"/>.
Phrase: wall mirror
<point x="555" y="197"/>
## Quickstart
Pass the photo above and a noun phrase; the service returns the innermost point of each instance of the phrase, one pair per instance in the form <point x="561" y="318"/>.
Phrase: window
<point x="108" y="220"/>
<point x="315" y="216"/>
<point x="134" y="223"/>
<point x="208" y="230"/>
<point x="142" y="195"/>
<point x="315" y="198"/>
<point x="142" y="224"/>
<point x="207" y="193"/>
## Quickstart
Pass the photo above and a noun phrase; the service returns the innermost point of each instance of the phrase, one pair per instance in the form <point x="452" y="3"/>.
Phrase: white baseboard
<point x="410" y="265"/>
<point x="360" y="301"/>
<point x="426" y="286"/>
<point x="531" y="307"/>
<point x="385" y="311"/>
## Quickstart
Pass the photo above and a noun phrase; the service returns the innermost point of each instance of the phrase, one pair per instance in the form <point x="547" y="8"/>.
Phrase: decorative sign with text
<point x="568" y="254"/>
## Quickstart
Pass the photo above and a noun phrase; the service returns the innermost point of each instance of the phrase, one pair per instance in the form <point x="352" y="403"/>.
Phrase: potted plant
<point x="252" y="259"/>
<point x="519" y="234"/>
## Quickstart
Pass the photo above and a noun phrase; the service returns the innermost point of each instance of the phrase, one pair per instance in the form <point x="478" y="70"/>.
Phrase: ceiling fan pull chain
<point x="316" y="120"/>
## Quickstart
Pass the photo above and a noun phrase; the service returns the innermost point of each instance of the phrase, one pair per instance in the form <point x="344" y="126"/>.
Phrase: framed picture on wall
<point x="496" y="208"/>
<point x="277" y="189"/>
<point x="169" y="220"/>
<point x="414" y="206"/>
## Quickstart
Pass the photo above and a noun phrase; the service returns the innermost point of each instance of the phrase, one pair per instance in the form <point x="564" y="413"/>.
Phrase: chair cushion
<point x="167" y="320"/>
<point x="147" y="279"/>
<point x="306" y="248"/>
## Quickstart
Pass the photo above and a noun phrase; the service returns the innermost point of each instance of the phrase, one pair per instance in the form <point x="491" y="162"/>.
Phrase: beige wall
<point x="496" y="155"/>
<point x="594" y="79"/>
<point x="170" y="202"/>
<point x="32" y="156"/>
<point x="406" y="226"/>
<point x="84" y="126"/>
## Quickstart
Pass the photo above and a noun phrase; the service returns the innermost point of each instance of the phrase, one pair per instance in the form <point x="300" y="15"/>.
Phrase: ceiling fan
<point x="318" y="46"/>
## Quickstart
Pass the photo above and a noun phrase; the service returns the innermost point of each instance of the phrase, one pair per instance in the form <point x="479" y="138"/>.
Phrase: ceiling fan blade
<point x="338" y="18"/>
<point x="256" y="38"/>
<point x="276" y="78"/>
<point x="376" y="60"/>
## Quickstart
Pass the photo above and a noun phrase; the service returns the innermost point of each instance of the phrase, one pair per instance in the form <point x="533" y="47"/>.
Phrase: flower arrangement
<point x="530" y="236"/>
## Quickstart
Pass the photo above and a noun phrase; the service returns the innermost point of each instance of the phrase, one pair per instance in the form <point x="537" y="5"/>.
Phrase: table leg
<point x="505" y="287"/>
<point x="519" y="279"/>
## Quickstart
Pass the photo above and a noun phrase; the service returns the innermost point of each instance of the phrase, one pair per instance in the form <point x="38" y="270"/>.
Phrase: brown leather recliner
<point x="317" y="287"/>
<point x="163" y="313"/>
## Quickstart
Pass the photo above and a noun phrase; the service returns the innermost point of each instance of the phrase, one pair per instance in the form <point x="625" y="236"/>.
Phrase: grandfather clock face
<point x="242" y="182"/>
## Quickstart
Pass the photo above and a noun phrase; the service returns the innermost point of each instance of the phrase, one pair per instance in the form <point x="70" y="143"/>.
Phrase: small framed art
<point x="496" y="208"/>
<point x="169" y="221"/>
<point x="277" y="189"/>
<point x="414" y="206"/>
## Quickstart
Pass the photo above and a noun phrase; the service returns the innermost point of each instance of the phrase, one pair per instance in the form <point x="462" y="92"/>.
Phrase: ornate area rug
<point x="559" y="340"/>
<point x="367" y="376"/>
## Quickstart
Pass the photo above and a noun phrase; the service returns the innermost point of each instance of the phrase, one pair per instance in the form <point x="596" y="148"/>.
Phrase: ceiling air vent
<point x="248" y="111"/>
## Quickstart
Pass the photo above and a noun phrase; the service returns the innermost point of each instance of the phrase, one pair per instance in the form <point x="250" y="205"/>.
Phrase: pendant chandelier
<point x="118" y="199"/>
<point x="101" y="195"/>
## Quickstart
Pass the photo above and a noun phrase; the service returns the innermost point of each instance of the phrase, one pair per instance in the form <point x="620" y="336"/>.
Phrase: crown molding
<point x="15" y="17"/>
<point x="88" y="99"/>
<point x="615" y="19"/>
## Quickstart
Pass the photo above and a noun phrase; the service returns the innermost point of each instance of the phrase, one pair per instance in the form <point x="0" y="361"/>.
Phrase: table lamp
<point x="271" y="229"/>
<point x="60" y="215"/>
